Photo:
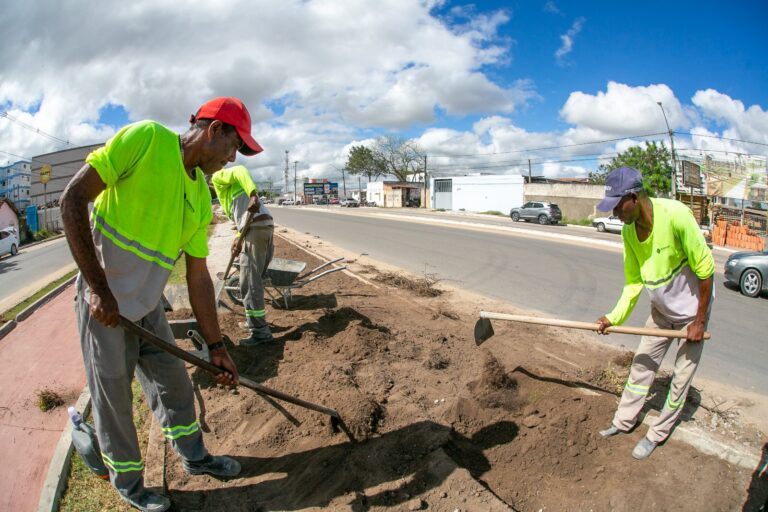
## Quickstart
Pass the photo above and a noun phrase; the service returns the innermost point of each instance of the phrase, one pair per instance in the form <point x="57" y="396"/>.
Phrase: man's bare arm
<point x="83" y="189"/>
<point x="202" y="300"/>
<point x="697" y="327"/>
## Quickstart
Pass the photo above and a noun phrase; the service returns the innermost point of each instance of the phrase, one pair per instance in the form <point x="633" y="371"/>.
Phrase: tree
<point x="653" y="162"/>
<point x="362" y="161"/>
<point x="400" y="158"/>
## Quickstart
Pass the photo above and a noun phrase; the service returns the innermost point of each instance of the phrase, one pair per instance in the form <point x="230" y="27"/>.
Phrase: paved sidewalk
<point x="42" y="352"/>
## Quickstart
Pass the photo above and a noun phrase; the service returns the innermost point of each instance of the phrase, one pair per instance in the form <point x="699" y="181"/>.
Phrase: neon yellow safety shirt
<point x="234" y="187"/>
<point x="150" y="211"/>
<point x="669" y="264"/>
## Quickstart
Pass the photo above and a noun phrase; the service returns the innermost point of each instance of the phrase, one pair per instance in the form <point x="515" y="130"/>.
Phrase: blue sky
<point x="491" y="79"/>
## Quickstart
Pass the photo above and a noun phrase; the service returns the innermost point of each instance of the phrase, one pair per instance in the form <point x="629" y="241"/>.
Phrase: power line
<point x="36" y="130"/>
<point x="551" y="147"/>
<point x="507" y="163"/>
<point x="723" y="138"/>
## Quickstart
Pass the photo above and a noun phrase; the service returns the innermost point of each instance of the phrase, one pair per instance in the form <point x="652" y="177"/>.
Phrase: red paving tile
<point x="42" y="352"/>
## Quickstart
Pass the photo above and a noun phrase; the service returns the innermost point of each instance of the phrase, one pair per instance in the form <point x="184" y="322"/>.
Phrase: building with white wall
<point x="394" y="194"/>
<point x="16" y="183"/>
<point x="477" y="193"/>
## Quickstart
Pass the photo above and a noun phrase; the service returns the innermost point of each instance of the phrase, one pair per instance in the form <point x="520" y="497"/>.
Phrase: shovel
<point x="484" y="329"/>
<point x="160" y="343"/>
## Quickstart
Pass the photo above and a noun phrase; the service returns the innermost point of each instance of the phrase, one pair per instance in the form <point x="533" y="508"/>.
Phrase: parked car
<point x="349" y="202"/>
<point x="288" y="202"/>
<point x="749" y="271"/>
<point x="333" y="200"/>
<point x="320" y="201"/>
<point x="9" y="242"/>
<point x="611" y="223"/>
<point x="543" y="213"/>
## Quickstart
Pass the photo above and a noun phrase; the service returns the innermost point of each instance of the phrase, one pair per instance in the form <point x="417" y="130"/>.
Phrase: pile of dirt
<point x="436" y="423"/>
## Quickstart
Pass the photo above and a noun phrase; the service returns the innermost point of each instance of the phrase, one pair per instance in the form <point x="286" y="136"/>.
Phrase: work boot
<point x="644" y="449"/>
<point x="149" y="501"/>
<point x="610" y="432"/>
<point x="256" y="339"/>
<point x="222" y="466"/>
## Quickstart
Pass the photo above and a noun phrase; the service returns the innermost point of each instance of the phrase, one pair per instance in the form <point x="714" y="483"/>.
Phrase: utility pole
<point x="360" y="190"/>
<point x="344" y="181"/>
<point x="425" y="181"/>
<point x="672" y="146"/>
<point x="529" y="170"/>
<point x="285" y="174"/>
<point x="295" y="162"/>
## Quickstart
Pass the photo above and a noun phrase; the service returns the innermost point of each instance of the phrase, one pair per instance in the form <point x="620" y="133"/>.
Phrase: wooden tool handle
<point x="160" y="343"/>
<point x="241" y="234"/>
<point x="588" y="326"/>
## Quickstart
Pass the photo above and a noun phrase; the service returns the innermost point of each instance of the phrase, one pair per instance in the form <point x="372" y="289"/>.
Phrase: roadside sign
<point x="691" y="174"/>
<point x="45" y="173"/>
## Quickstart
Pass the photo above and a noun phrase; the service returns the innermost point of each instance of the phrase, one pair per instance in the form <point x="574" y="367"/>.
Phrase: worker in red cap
<point x="151" y="204"/>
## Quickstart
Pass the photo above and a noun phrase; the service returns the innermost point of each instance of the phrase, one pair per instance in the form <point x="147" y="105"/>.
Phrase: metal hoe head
<point x="483" y="330"/>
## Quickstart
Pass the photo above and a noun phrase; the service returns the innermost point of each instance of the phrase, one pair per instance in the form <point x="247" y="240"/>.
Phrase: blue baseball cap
<point x="619" y="183"/>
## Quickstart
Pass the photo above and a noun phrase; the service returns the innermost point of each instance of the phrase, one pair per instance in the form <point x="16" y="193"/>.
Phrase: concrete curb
<point x="58" y="471"/>
<point x="45" y="298"/>
<point x="38" y="242"/>
<point x="706" y="444"/>
<point x="6" y="328"/>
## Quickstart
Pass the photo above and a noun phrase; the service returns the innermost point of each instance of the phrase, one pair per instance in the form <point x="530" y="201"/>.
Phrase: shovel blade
<point x="483" y="330"/>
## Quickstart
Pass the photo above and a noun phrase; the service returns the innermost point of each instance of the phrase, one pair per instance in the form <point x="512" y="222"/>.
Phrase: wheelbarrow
<point x="283" y="276"/>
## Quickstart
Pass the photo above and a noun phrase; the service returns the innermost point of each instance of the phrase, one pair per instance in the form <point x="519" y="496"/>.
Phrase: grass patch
<point x="493" y="212"/>
<point x="577" y="222"/>
<point x="48" y="399"/>
<point x="7" y="316"/>
<point x="439" y="210"/>
<point x="88" y="493"/>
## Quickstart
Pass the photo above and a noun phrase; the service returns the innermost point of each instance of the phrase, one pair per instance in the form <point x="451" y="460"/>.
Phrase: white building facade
<point x="16" y="183"/>
<point x="478" y="193"/>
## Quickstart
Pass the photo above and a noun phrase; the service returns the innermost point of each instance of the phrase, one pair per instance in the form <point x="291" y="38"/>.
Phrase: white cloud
<point x="742" y="123"/>
<point x="552" y="8"/>
<point x="623" y="110"/>
<point x="567" y="40"/>
<point x="312" y="72"/>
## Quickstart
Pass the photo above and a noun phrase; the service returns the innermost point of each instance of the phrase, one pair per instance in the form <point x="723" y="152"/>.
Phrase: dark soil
<point x="436" y="422"/>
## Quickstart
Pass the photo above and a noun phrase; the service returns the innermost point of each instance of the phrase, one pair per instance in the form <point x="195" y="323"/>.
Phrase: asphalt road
<point x="559" y="278"/>
<point x="32" y="269"/>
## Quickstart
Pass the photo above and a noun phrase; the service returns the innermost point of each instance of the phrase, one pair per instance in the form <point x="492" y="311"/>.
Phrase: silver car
<point x="612" y="224"/>
<point x="543" y="213"/>
<point x="749" y="271"/>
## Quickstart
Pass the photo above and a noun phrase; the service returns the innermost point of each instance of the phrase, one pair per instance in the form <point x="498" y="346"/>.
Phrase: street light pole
<point x="295" y="162"/>
<point x="672" y="146"/>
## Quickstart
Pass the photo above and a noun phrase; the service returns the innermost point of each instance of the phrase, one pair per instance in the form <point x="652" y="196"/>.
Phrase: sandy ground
<point x="437" y="423"/>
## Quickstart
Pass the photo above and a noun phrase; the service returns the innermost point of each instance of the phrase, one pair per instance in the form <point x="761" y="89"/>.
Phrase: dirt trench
<point x="438" y="423"/>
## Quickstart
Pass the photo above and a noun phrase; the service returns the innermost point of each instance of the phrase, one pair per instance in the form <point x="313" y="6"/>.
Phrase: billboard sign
<point x="321" y="189"/>
<point x="45" y="173"/>
<point x="691" y="174"/>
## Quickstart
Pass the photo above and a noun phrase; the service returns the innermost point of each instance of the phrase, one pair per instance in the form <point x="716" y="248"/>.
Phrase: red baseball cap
<point x="232" y="111"/>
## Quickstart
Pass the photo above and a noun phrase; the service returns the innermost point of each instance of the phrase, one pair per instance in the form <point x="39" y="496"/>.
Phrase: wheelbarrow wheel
<point x="233" y="289"/>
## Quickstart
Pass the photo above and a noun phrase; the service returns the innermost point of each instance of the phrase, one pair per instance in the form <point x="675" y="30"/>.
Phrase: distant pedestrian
<point x="665" y="253"/>
<point x="151" y="204"/>
<point x="239" y="197"/>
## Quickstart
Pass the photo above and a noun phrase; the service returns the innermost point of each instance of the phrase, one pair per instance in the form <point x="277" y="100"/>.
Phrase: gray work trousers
<point x="111" y="355"/>
<point x="645" y="364"/>
<point x="254" y="260"/>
